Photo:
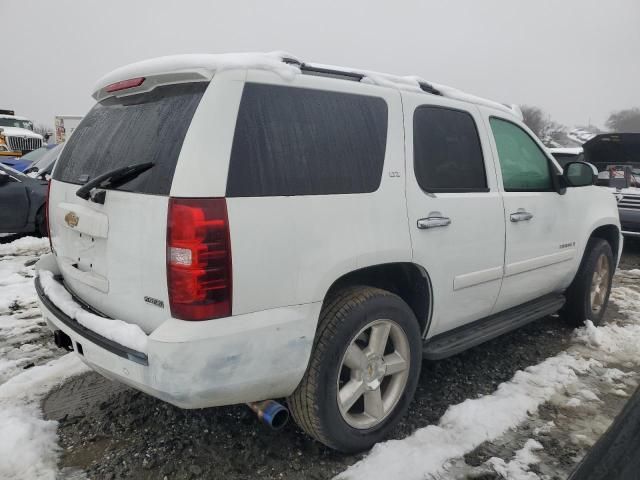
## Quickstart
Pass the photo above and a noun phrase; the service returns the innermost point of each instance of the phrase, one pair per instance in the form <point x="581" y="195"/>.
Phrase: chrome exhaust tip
<point x="272" y="413"/>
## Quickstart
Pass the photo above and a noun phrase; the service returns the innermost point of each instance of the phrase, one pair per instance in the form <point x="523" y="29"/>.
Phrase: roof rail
<point x="427" y="87"/>
<point x="349" y="75"/>
<point x="329" y="72"/>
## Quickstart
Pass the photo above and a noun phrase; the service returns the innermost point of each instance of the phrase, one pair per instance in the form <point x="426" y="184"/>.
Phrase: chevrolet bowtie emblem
<point x="72" y="219"/>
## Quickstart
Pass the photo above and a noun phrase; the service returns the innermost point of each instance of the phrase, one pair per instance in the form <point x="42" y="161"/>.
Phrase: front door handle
<point x="434" y="220"/>
<point x="521" y="215"/>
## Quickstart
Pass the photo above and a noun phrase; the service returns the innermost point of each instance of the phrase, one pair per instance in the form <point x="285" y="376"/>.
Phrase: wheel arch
<point x="611" y="234"/>
<point x="408" y="280"/>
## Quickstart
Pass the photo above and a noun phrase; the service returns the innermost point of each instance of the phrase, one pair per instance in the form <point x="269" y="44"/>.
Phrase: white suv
<point x="230" y="229"/>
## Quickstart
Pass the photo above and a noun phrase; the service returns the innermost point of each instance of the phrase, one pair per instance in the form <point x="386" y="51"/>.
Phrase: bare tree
<point x="43" y="130"/>
<point x="551" y="133"/>
<point x="625" y="121"/>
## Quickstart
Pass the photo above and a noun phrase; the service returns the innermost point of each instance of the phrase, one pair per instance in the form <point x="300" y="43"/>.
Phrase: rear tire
<point x="363" y="370"/>
<point x="588" y="294"/>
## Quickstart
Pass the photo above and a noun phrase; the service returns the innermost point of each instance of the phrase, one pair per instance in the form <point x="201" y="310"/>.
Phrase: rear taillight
<point x="198" y="258"/>
<point x="46" y="214"/>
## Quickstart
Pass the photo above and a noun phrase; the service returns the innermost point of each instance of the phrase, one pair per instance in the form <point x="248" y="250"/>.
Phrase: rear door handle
<point x="521" y="215"/>
<point x="434" y="220"/>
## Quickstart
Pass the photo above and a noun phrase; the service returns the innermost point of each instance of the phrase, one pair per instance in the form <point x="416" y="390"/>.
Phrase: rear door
<point x="113" y="255"/>
<point x="456" y="216"/>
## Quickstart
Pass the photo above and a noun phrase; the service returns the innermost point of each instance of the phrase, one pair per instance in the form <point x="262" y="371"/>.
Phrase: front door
<point x="455" y="209"/>
<point x="540" y="246"/>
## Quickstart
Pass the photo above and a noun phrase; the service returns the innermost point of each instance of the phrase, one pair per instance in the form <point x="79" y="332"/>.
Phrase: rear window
<point x="298" y="141"/>
<point x="148" y="127"/>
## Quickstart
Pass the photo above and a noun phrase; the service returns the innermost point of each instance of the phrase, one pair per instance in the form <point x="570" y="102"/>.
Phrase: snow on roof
<point x="15" y="117"/>
<point x="206" y="65"/>
<point x="412" y="83"/>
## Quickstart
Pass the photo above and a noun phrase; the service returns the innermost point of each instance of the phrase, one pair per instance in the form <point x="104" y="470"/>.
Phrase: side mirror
<point x="4" y="179"/>
<point x="579" y="174"/>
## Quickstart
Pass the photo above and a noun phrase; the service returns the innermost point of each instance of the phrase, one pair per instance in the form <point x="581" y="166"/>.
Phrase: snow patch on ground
<point x="519" y="467"/>
<point x="28" y="443"/>
<point x="120" y="332"/>
<point x="25" y="245"/>
<point x="28" y="368"/>
<point x="465" y="426"/>
<point x="597" y="354"/>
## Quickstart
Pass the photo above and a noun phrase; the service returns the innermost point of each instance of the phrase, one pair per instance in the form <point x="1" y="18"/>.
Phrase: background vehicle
<point x="43" y="167"/>
<point x="241" y="228"/>
<point x="617" y="158"/>
<point x="23" y="163"/>
<point x="22" y="201"/>
<point x="65" y="126"/>
<point x="16" y="135"/>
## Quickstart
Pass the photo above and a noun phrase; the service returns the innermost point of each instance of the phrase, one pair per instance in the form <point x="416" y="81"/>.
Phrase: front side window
<point x="525" y="167"/>
<point x="447" y="154"/>
<point x="299" y="141"/>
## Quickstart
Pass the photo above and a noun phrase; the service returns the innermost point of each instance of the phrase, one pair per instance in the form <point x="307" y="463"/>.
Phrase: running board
<point x="467" y="336"/>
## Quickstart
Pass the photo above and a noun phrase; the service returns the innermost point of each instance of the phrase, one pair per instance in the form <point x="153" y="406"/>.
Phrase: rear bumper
<point x="231" y="360"/>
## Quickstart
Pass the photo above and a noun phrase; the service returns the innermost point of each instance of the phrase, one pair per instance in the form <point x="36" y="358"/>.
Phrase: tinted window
<point x="524" y="165"/>
<point x="298" y="141"/>
<point x="447" y="154"/>
<point x="149" y="127"/>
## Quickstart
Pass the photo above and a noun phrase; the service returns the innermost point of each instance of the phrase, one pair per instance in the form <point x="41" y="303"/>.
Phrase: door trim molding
<point x="475" y="278"/>
<point x="539" y="262"/>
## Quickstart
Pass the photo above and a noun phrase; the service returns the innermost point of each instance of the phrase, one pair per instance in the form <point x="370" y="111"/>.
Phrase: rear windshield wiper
<point x="113" y="178"/>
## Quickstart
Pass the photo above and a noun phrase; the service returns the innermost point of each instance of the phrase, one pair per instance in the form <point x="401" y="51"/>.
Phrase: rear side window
<point x="149" y="127"/>
<point x="298" y="141"/>
<point x="447" y="154"/>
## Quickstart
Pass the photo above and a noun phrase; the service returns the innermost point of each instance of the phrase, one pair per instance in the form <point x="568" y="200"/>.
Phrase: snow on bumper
<point x="231" y="360"/>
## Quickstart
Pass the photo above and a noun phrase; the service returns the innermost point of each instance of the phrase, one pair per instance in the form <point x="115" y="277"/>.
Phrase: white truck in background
<point x="16" y="135"/>
<point x="65" y="125"/>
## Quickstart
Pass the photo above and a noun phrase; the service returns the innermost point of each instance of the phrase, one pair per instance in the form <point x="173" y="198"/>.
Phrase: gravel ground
<point x="110" y="431"/>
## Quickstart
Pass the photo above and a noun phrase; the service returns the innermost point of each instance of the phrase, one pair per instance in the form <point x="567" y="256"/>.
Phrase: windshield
<point x="14" y="122"/>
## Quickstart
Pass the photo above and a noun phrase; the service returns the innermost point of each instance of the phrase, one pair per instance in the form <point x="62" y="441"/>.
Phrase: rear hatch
<point x="112" y="255"/>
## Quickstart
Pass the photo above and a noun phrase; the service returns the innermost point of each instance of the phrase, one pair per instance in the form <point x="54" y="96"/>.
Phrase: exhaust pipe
<point x="271" y="412"/>
<point x="62" y="340"/>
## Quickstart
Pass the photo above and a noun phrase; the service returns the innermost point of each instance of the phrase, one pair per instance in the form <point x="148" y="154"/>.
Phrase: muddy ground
<point x="110" y="431"/>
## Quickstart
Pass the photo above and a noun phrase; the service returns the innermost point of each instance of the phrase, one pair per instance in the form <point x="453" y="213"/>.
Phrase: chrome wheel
<point x="600" y="283"/>
<point x="373" y="374"/>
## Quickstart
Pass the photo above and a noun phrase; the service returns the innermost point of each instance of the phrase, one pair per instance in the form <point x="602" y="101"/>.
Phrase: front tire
<point x="588" y="294"/>
<point x="363" y="370"/>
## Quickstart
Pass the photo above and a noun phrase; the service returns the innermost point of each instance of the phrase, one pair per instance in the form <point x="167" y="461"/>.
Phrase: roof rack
<point x="409" y="83"/>
<point x="345" y="74"/>
<point x="7" y="112"/>
<point x="322" y="71"/>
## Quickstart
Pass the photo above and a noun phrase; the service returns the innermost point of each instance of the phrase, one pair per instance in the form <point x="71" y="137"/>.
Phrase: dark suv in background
<point x="617" y="158"/>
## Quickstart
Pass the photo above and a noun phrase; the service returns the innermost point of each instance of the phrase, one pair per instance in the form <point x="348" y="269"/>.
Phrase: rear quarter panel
<point x="289" y="250"/>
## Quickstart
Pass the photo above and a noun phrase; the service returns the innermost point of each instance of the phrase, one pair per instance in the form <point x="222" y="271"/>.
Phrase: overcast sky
<point x="576" y="59"/>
